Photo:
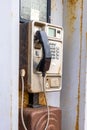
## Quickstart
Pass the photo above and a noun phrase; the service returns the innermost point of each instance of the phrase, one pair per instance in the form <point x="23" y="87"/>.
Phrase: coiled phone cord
<point x="48" y="114"/>
<point x="22" y="79"/>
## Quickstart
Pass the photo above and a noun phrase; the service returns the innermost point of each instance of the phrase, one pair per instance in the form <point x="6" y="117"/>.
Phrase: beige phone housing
<point x="53" y="78"/>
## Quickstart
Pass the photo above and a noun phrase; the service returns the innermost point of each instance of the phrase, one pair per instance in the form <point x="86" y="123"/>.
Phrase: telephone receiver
<point x="44" y="64"/>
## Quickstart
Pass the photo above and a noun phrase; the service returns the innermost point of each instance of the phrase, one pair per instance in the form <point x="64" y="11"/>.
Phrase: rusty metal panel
<point x="73" y="92"/>
<point x="70" y="96"/>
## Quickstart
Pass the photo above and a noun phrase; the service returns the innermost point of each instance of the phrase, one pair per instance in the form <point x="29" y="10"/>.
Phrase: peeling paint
<point x="71" y="14"/>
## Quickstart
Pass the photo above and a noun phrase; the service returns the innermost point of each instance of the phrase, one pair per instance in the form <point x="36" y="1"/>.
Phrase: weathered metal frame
<point x="74" y="70"/>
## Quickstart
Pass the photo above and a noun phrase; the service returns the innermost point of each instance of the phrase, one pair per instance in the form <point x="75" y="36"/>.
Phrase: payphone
<point x="45" y="54"/>
<point x="41" y="55"/>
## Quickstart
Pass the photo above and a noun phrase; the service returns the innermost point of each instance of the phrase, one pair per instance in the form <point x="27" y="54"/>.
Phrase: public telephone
<point x="45" y="50"/>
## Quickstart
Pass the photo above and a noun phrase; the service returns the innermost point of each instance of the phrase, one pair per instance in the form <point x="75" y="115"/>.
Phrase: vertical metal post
<point x="48" y="11"/>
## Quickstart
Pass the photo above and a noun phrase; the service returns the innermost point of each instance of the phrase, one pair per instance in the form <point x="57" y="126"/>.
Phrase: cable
<point x="22" y="118"/>
<point x="22" y="79"/>
<point x="46" y="104"/>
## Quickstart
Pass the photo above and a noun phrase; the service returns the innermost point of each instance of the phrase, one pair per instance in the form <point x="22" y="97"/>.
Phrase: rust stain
<point x="73" y="2"/>
<point x="71" y="15"/>
<point x="53" y="5"/>
<point x="26" y="99"/>
<point x="42" y="99"/>
<point x="78" y="104"/>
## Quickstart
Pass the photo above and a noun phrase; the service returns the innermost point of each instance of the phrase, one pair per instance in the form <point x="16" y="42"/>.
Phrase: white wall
<point x="9" y="49"/>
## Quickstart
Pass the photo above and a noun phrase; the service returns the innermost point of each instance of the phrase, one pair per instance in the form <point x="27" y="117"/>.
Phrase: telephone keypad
<point x="54" y="51"/>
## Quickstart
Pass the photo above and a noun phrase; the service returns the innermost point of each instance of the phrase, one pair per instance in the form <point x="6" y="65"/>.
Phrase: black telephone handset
<point x="44" y="63"/>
